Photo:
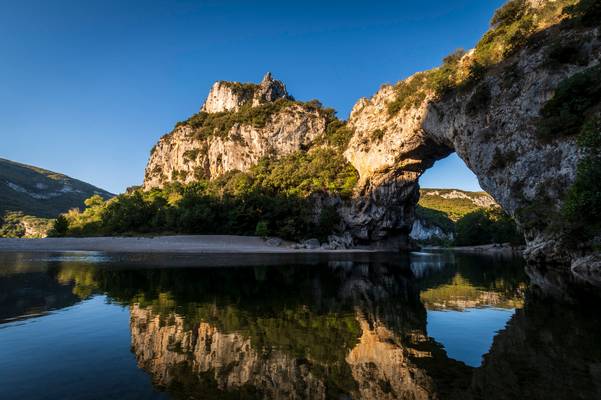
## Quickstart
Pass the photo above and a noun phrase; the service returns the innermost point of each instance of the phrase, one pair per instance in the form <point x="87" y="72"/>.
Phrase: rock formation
<point x="490" y="123"/>
<point x="244" y="350"/>
<point x="491" y="126"/>
<point x="422" y="230"/>
<point x="229" y="358"/>
<point x="232" y="96"/>
<point x="182" y="156"/>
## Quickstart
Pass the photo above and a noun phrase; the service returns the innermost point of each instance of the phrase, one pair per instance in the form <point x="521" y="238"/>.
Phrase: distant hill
<point x="41" y="193"/>
<point x="439" y="209"/>
<point x="455" y="203"/>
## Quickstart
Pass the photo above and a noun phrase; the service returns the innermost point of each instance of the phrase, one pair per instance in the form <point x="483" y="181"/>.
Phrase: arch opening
<point x="453" y="209"/>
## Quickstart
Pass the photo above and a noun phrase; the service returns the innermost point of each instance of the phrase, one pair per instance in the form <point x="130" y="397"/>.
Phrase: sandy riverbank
<point x="160" y="244"/>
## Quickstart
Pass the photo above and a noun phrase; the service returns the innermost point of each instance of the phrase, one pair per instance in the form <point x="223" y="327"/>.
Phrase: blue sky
<point x="89" y="86"/>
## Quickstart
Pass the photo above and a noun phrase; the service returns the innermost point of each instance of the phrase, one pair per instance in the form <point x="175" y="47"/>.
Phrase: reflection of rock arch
<point x="548" y="350"/>
<point x="385" y="360"/>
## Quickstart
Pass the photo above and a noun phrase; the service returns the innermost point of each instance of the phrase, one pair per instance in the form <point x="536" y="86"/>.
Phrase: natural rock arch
<point x="492" y="127"/>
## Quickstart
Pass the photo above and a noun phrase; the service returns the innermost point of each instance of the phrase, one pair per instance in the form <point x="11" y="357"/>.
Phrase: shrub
<point x="512" y="11"/>
<point x="485" y="227"/>
<point x="191" y="155"/>
<point x="574" y="98"/>
<point x="377" y="135"/>
<point x="338" y="134"/>
<point x="439" y="81"/>
<point x="60" y="227"/>
<point x="582" y="205"/>
<point x="262" y="229"/>
<point x="586" y="12"/>
<point x="409" y="92"/>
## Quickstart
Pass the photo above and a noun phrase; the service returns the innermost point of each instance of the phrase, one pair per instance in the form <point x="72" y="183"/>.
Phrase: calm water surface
<point x="428" y="325"/>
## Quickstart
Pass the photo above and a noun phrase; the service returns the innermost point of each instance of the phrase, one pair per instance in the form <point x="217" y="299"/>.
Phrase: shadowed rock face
<point x="548" y="350"/>
<point x="500" y="127"/>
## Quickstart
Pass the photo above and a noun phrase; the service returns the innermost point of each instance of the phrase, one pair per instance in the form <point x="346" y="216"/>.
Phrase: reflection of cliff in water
<point x="290" y="332"/>
<point x="329" y="331"/>
<point x="548" y="350"/>
<point x="456" y="281"/>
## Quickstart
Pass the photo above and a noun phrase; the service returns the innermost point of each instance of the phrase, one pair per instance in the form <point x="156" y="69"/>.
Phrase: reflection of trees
<point x="287" y="331"/>
<point x="284" y="331"/>
<point x="28" y="290"/>
<point x="460" y="282"/>
<point x="325" y="331"/>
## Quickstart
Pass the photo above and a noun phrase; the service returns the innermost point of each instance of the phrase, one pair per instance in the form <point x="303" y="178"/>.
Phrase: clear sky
<point x="87" y="87"/>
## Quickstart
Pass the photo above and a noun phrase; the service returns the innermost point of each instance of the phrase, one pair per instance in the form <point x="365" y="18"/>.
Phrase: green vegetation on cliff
<point x="17" y="225"/>
<point x="276" y="197"/>
<point x="454" y="203"/>
<point x="513" y="26"/>
<point x="473" y="217"/>
<point x="574" y="101"/>
<point x="205" y="125"/>
<point x="574" y="111"/>
<point x="582" y="207"/>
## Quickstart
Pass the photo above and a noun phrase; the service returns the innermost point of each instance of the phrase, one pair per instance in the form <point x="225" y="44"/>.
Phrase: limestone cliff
<point x="197" y="150"/>
<point x="232" y="96"/>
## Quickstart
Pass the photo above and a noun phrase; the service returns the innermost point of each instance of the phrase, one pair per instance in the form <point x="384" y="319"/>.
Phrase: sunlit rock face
<point x="231" y="96"/>
<point x="422" y="230"/>
<point x="382" y="368"/>
<point x="182" y="156"/>
<point x="165" y="348"/>
<point x="491" y="126"/>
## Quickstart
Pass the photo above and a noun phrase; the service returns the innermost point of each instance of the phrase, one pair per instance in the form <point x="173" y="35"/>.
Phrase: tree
<point x="485" y="227"/>
<point x="60" y="227"/>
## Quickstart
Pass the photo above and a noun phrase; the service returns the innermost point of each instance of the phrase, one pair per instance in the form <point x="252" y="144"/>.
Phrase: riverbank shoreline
<point x="185" y="244"/>
<point x="490" y="249"/>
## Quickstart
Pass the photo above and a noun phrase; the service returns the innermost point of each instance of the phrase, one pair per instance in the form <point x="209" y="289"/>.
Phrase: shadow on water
<point x="352" y="326"/>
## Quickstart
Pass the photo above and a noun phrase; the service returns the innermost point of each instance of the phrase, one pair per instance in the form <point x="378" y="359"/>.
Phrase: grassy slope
<point x="442" y="207"/>
<point x="65" y="192"/>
